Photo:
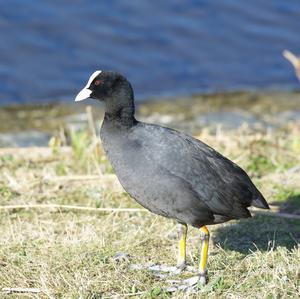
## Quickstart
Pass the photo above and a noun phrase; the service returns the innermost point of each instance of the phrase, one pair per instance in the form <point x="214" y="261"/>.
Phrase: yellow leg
<point x="181" y="260"/>
<point x="204" y="254"/>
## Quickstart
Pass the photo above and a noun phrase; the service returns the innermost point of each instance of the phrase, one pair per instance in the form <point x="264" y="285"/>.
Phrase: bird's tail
<point x="260" y="202"/>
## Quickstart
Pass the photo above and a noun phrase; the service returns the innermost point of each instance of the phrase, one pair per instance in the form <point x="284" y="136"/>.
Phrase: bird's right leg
<point x="182" y="233"/>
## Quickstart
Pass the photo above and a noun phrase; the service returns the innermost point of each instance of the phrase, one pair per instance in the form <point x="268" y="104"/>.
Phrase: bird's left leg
<point x="204" y="255"/>
<point x="182" y="233"/>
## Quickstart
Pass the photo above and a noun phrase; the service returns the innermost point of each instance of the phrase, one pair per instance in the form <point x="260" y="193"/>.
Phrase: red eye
<point x="97" y="82"/>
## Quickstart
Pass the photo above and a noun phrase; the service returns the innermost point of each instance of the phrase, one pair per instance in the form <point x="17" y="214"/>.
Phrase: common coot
<point x="169" y="173"/>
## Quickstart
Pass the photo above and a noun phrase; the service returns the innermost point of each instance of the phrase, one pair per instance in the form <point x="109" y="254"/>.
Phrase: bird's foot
<point x="203" y="278"/>
<point x="168" y="270"/>
<point x="164" y="270"/>
<point x="189" y="285"/>
<point x="181" y="266"/>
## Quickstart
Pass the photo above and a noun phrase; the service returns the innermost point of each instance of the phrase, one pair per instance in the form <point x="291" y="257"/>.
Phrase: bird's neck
<point x="121" y="115"/>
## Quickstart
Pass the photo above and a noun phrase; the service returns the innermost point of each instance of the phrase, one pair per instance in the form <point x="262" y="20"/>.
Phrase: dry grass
<point x="70" y="254"/>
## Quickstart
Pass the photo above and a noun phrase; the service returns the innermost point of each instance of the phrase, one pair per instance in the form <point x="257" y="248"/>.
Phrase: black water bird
<point x="169" y="173"/>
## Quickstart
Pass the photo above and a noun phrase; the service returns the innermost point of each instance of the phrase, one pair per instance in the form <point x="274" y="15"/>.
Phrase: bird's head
<point x="106" y="86"/>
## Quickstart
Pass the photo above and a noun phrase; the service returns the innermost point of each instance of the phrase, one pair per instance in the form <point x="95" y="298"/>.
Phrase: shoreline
<point x="34" y="125"/>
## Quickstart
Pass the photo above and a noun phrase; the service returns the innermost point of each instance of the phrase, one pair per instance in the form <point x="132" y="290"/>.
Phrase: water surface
<point x="166" y="48"/>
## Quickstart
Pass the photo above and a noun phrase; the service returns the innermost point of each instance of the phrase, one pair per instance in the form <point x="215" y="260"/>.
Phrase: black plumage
<point x="170" y="173"/>
<point x="178" y="176"/>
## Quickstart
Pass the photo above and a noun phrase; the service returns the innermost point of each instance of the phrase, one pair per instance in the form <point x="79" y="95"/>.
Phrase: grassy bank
<point x="69" y="253"/>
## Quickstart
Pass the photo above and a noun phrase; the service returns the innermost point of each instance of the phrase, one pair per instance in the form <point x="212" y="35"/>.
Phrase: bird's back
<point x="154" y="162"/>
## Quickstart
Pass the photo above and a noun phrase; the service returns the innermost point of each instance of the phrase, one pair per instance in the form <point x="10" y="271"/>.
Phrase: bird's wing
<point x="224" y="187"/>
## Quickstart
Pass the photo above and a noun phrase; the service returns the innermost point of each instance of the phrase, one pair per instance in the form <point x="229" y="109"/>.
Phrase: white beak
<point x="86" y="92"/>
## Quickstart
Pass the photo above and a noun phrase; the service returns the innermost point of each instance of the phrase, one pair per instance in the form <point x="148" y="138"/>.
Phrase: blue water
<point x="48" y="49"/>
